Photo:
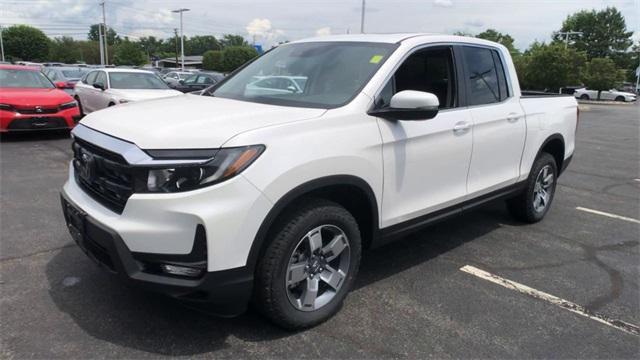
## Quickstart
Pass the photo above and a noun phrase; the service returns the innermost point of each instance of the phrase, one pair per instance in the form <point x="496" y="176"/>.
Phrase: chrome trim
<point x="129" y="151"/>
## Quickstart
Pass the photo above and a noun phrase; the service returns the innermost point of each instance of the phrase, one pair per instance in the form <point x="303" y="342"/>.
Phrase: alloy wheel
<point x="543" y="189"/>
<point x="317" y="268"/>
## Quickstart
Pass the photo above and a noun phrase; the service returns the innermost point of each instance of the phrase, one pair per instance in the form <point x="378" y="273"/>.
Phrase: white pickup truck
<point x="271" y="196"/>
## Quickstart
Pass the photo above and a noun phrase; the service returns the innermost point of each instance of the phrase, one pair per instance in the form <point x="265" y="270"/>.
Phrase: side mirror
<point x="181" y="82"/>
<point x="409" y="105"/>
<point x="98" y="85"/>
<point x="61" y="85"/>
<point x="292" y="89"/>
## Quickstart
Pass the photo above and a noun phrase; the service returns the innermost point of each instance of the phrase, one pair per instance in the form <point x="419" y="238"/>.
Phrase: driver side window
<point x="430" y="70"/>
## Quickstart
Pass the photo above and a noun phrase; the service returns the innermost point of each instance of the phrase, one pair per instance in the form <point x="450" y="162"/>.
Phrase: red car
<point x="30" y="101"/>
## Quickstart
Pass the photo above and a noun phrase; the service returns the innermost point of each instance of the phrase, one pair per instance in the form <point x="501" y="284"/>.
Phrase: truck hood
<point x="190" y="121"/>
<point x="144" y="94"/>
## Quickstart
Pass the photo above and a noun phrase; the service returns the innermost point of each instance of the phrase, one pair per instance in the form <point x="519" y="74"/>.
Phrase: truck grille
<point x="102" y="174"/>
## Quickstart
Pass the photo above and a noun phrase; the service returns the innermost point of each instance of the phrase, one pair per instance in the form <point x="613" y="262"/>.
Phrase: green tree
<point x="89" y="51"/>
<point x="233" y="40"/>
<point x="64" y="49"/>
<point x="151" y="45"/>
<point x="129" y="53"/>
<point x="212" y="60"/>
<point x="235" y="56"/>
<point x="198" y="45"/>
<point x="604" y="33"/>
<point x="23" y="42"/>
<point x="112" y="36"/>
<point x="504" y="39"/>
<point x="550" y="67"/>
<point x="601" y="74"/>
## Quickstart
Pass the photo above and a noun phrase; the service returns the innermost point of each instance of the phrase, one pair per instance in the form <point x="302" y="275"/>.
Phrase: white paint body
<point x="413" y="167"/>
<point x="94" y="99"/>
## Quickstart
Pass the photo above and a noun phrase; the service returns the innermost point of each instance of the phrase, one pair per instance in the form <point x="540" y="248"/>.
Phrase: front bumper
<point x="16" y="122"/>
<point x="227" y="292"/>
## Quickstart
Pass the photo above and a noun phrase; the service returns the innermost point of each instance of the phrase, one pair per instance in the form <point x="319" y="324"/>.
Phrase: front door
<point x="425" y="162"/>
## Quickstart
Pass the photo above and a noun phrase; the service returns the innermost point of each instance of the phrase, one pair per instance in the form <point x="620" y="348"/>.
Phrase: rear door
<point x="499" y="127"/>
<point x="425" y="162"/>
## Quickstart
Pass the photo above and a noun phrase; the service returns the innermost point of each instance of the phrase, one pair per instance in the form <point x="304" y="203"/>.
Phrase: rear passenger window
<point x="482" y="79"/>
<point x="502" y="81"/>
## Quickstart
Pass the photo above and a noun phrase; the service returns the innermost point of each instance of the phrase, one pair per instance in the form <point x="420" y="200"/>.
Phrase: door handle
<point x="461" y="128"/>
<point x="513" y="117"/>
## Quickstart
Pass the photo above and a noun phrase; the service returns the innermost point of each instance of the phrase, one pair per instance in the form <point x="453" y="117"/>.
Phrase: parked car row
<point x="612" y="95"/>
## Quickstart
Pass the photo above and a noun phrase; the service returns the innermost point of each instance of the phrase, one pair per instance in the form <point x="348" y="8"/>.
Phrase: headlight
<point x="123" y="101"/>
<point x="69" y="105"/>
<point x="225" y="164"/>
<point x="6" y="107"/>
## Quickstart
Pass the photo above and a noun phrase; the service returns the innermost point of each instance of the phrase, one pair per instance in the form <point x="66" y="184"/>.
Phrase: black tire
<point x="620" y="98"/>
<point x="271" y="294"/>
<point x="522" y="207"/>
<point x="584" y="97"/>
<point x="79" y="105"/>
<point x="111" y="104"/>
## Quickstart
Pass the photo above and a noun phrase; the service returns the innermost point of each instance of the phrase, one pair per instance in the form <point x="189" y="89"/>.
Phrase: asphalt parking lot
<point x="411" y="299"/>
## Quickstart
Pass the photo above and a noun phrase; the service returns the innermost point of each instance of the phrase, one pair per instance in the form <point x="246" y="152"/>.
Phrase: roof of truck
<point x="393" y="38"/>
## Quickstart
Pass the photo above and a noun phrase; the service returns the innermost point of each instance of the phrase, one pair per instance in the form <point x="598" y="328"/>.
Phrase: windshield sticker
<point x="376" y="59"/>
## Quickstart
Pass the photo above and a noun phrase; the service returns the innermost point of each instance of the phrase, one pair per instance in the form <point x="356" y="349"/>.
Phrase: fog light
<point x="181" y="270"/>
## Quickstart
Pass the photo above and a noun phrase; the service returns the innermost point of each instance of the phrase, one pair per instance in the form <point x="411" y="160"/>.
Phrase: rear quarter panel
<point x="546" y="117"/>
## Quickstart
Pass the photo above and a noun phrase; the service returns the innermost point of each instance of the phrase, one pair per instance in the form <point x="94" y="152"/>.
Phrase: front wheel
<point x="620" y="99"/>
<point x="309" y="266"/>
<point x="535" y="200"/>
<point x="584" y="97"/>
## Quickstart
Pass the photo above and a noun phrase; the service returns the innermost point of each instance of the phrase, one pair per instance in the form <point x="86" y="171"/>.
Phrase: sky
<point x="272" y="21"/>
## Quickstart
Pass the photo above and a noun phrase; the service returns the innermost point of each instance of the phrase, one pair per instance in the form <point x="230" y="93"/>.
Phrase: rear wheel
<point x="535" y="200"/>
<point x="309" y="266"/>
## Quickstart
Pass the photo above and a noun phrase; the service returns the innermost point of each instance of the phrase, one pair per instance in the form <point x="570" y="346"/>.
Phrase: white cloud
<point x="261" y="28"/>
<point x="443" y="3"/>
<point x="324" y="31"/>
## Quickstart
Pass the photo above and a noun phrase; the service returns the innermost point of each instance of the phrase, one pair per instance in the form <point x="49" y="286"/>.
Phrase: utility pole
<point x="106" y="37"/>
<point x="566" y="35"/>
<point x="100" y="44"/>
<point x="175" y="31"/>
<point x="181" y="36"/>
<point x="364" y="4"/>
<point x="1" y="45"/>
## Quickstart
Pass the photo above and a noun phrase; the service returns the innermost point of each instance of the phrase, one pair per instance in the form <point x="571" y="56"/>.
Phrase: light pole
<point x="1" y="45"/>
<point x="106" y="37"/>
<point x="364" y="4"/>
<point x="181" y="37"/>
<point x="566" y="36"/>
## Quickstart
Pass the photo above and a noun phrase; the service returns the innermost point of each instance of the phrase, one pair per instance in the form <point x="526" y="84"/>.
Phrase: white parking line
<point x="567" y="305"/>
<point x="608" y="215"/>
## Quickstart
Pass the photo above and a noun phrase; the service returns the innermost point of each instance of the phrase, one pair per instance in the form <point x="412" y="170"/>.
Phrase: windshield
<point x="73" y="74"/>
<point x="318" y="74"/>
<point x="135" y="80"/>
<point x="10" y="78"/>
